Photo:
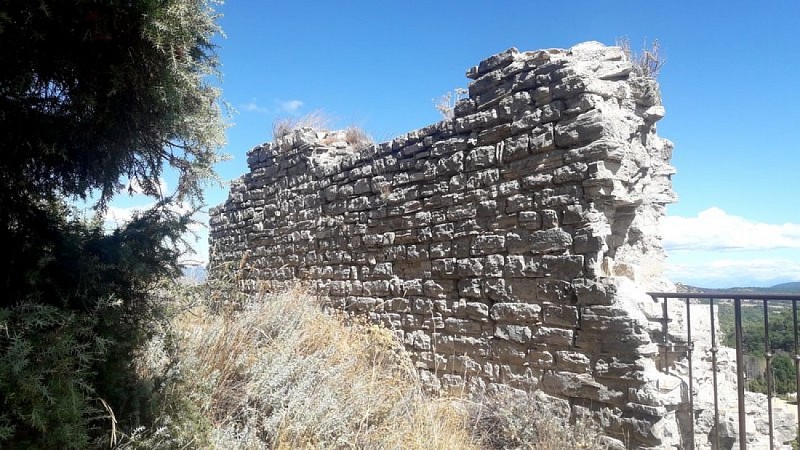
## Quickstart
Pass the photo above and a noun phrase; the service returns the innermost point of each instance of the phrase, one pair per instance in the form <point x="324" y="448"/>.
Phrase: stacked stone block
<point x="507" y="247"/>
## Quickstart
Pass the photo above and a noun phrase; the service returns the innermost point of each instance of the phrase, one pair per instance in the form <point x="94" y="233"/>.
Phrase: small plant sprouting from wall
<point x="648" y="62"/>
<point x="446" y="104"/>
<point x="357" y="137"/>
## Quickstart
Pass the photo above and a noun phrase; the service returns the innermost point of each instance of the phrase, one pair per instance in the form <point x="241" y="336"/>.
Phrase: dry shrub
<point x="515" y="419"/>
<point x="316" y="120"/>
<point x="252" y="372"/>
<point x="277" y="372"/>
<point x="647" y="63"/>
<point x="357" y="138"/>
<point x="446" y="104"/>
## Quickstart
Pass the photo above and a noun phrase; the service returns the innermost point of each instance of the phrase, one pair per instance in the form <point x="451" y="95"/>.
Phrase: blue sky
<point x="730" y="88"/>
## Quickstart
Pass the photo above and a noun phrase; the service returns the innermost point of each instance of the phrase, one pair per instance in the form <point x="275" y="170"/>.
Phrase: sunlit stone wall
<point x="509" y="246"/>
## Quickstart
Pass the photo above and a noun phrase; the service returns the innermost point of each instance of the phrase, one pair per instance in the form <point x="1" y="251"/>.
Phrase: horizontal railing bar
<point x="725" y="295"/>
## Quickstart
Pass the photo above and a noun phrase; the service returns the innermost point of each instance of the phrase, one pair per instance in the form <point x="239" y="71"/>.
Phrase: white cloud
<point x="279" y="107"/>
<point x="735" y="272"/>
<point x="716" y="230"/>
<point x="290" y="106"/>
<point x="252" y="106"/>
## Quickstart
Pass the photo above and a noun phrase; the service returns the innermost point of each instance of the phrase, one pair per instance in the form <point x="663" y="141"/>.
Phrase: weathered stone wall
<point x="509" y="246"/>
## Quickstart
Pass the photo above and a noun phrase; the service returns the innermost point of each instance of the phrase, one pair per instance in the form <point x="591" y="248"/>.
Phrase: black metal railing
<point x="737" y="299"/>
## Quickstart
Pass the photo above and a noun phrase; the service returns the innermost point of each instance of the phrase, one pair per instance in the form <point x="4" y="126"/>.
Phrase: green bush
<point x="46" y="371"/>
<point x="83" y="307"/>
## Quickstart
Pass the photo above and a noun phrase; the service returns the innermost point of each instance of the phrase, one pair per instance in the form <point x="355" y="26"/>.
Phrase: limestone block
<point x="548" y="241"/>
<point x="580" y="386"/>
<point x="461" y="212"/>
<point x="464" y="107"/>
<point x="531" y="220"/>
<point x="571" y="361"/>
<point x="582" y="130"/>
<point x="377" y="288"/>
<point x="436" y="323"/>
<point x="482" y="179"/>
<point x="462" y="326"/>
<point x="508" y="352"/>
<point x="542" y="359"/>
<point x="518" y="202"/>
<point x="556" y="337"/>
<point x="527" y="122"/>
<point x="495" y="289"/>
<point x="549" y="219"/>
<point x="493" y="136"/>
<point x="569" y="87"/>
<point x="542" y="139"/>
<point x="516" y="313"/>
<point x="493" y="266"/>
<point x="476" y="346"/>
<point x="520" y="334"/>
<point x="508" y="188"/>
<point x="471" y="310"/>
<point x="398" y="305"/>
<point x="470" y="288"/>
<point x="478" y="121"/>
<point x="418" y="340"/>
<point x="493" y="62"/>
<point x="551" y="112"/>
<point x="444" y="268"/>
<point x="436" y="289"/>
<point x="469" y="267"/>
<point x="556" y="291"/>
<point x="594" y="292"/>
<point x="487" y="244"/>
<point x="516" y="104"/>
<point x="574" y="172"/>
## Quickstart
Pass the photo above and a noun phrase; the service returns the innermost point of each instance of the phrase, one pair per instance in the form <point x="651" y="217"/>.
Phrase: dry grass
<point x="357" y="138"/>
<point x="276" y="372"/>
<point x="279" y="373"/>
<point x="516" y="419"/>
<point x="446" y="104"/>
<point x="648" y="62"/>
<point x="316" y="120"/>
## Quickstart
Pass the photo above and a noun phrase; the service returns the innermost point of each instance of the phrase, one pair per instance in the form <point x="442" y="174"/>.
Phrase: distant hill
<point x="790" y="287"/>
<point x="785" y="288"/>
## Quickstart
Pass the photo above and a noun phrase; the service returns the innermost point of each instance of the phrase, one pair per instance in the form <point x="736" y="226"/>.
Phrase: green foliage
<point x="70" y="340"/>
<point x="94" y="91"/>
<point x="45" y="376"/>
<point x="781" y="335"/>
<point x="93" y="94"/>
<point x="781" y="342"/>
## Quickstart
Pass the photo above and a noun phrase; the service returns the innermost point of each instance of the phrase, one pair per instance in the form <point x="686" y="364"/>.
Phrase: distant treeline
<point x="781" y="341"/>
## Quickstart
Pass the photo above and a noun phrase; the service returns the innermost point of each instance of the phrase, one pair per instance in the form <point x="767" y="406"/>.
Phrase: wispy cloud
<point x="290" y="106"/>
<point x="279" y="107"/>
<point x="716" y="230"/>
<point x="252" y="106"/>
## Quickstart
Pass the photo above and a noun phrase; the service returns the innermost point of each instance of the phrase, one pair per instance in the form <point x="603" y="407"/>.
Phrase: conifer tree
<point x="94" y="95"/>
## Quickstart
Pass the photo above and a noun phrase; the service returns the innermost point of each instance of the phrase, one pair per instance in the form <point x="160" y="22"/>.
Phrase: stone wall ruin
<point x="510" y="246"/>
